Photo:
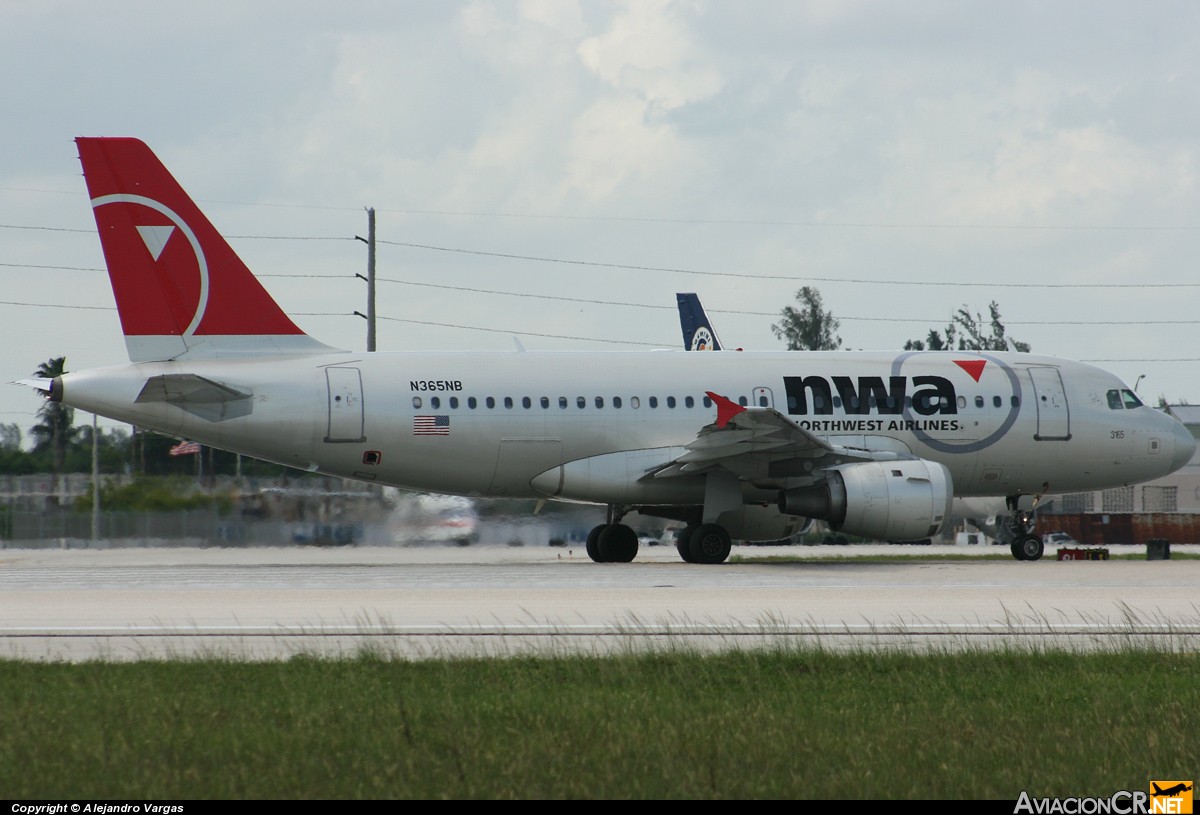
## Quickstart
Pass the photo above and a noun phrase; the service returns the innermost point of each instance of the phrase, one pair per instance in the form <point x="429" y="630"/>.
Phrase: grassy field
<point x="780" y="724"/>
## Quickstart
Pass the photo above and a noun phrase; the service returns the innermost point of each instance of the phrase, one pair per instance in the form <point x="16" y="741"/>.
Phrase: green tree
<point x="56" y="429"/>
<point x="969" y="332"/>
<point x="809" y="327"/>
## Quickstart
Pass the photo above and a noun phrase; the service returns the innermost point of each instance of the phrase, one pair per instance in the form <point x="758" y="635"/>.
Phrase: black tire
<point x="1029" y="547"/>
<point x="593" y="543"/>
<point x="682" y="540"/>
<point x="617" y="543"/>
<point x="709" y="543"/>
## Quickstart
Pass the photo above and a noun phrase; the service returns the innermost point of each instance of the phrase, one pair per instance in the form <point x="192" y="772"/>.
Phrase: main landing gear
<point x="614" y="542"/>
<point x="703" y="543"/>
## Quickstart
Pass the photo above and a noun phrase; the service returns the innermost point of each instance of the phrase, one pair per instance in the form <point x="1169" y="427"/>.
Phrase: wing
<point x="764" y="446"/>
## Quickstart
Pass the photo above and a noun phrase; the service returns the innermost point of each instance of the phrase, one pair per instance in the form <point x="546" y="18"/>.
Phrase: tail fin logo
<point x="155" y="238"/>
<point x="191" y="295"/>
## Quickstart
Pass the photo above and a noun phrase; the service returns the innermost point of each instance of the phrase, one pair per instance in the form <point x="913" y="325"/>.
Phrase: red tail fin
<point x="180" y="288"/>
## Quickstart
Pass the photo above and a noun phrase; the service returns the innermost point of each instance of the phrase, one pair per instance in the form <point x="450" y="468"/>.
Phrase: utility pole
<point x="95" y="481"/>
<point x="370" y="278"/>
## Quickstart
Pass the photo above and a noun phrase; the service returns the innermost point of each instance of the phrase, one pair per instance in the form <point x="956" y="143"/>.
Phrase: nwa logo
<point x="192" y="291"/>
<point x="932" y="395"/>
<point x="924" y="404"/>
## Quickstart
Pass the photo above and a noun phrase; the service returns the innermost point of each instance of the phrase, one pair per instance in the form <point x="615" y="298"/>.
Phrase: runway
<point x="421" y="602"/>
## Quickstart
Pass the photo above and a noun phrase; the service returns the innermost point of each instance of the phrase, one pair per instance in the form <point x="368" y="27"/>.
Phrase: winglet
<point x="726" y="408"/>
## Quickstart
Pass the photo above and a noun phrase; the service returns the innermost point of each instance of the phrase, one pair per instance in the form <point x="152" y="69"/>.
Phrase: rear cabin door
<point x="345" y="405"/>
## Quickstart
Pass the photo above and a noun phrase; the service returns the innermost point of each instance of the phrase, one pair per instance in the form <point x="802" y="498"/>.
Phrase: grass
<point x="783" y="723"/>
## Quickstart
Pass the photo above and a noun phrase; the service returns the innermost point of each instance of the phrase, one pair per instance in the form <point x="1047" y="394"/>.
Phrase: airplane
<point x="698" y="332"/>
<point x="746" y="446"/>
<point x="1170" y="792"/>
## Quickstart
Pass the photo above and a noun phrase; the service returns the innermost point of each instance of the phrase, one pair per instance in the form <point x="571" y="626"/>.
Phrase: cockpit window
<point x="1131" y="399"/>
<point x="1114" y="400"/>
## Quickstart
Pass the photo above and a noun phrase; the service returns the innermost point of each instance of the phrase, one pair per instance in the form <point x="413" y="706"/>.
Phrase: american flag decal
<point x="431" y="425"/>
<point x="185" y="448"/>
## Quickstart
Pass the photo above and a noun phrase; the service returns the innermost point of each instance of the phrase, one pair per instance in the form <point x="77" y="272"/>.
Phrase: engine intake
<point x="884" y="500"/>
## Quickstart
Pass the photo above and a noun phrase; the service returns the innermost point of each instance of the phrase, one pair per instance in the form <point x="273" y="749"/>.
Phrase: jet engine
<point x="884" y="500"/>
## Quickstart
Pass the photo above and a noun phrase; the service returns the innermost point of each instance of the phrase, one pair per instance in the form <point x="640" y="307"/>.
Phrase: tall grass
<point x="753" y="724"/>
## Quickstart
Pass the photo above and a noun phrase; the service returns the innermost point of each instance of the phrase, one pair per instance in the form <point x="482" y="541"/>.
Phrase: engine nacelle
<point x="884" y="500"/>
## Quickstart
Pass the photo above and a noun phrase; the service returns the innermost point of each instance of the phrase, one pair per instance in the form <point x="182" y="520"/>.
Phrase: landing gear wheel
<point x="593" y="543"/>
<point x="709" y="543"/>
<point x="682" y="541"/>
<point x="1030" y="547"/>
<point x="617" y="543"/>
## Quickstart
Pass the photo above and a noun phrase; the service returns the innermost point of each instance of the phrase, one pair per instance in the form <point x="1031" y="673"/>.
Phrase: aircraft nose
<point x="1185" y="446"/>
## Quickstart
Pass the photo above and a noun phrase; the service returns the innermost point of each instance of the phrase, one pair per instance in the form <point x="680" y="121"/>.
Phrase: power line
<point x="672" y="270"/>
<point x="523" y="333"/>
<point x="618" y="303"/>
<point x="806" y="224"/>
<point x="776" y="314"/>
<point x="798" y="278"/>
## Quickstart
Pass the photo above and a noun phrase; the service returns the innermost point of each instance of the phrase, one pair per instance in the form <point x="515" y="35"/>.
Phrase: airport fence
<point x="203" y="527"/>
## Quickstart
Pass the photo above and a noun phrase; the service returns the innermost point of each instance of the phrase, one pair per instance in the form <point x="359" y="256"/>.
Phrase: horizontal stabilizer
<point x="205" y="398"/>
<point x="39" y="383"/>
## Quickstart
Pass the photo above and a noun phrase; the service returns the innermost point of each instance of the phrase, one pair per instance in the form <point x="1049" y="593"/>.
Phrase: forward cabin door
<point x="1053" y="415"/>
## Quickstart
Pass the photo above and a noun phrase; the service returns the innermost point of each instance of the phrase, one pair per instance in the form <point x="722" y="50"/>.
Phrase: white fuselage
<point x="491" y="423"/>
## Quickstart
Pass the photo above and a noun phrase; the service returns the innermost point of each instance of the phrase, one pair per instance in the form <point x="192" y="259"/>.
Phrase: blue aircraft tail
<point x="698" y="333"/>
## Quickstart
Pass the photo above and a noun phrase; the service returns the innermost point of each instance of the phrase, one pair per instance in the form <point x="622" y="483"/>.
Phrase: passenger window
<point x="580" y="402"/>
<point x="708" y="402"/>
<point x="471" y="403"/>
<point x="741" y="401"/>
<point x="689" y="401"/>
<point x="962" y="402"/>
<point x="525" y="403"/>
<point x="1016" y="402"/>
<point x="417" y="402"/>
<point x="978" y="401"/>
<point x="635" y="402"/>
<point x="435" y="402"/>
<point x="490" y="402"/>
<point x="996" y="401"/>
<point x="599" y="401"/>
<point x="562" y="402"/>
<point x="1114" y="400"/>
<point x="545" y="402"/>
<point x="762" y="401"/>
<point x="670" y="401"/>
<point x="817" y="402"/>
<point x="454" y="402"/>
<point x="508" y="402"/>
<point x="653" y="401"/>
<point x="1131" y="400"/>
<point x="837" y="401"/>
<point x="616" y="401"/>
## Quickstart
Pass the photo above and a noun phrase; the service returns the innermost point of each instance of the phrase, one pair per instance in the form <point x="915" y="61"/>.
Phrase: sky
<point x="555" y="171"/>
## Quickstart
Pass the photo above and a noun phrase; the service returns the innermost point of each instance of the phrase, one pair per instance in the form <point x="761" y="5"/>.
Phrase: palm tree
<point x="55" y="428"/>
